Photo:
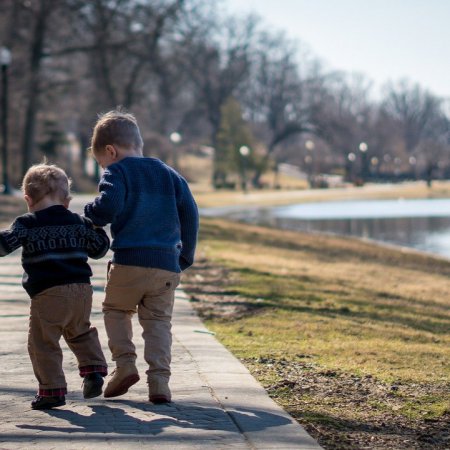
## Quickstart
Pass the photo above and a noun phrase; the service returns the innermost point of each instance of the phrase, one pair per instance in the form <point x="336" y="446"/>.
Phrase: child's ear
<point x="29" y="200"/>
<point x="111" y="150"/>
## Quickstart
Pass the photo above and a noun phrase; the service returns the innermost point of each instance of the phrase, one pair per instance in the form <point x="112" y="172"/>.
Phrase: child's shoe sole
<point x="92" y="386"/>
<point x="122" y="387"/>
<point x="47" y="403"/>
<point x="160" y="399"/>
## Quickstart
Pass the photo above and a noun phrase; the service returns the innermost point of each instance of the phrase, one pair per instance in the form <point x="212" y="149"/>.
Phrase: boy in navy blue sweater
<point x="154" y="224"/>
<point x="55" y="245"/>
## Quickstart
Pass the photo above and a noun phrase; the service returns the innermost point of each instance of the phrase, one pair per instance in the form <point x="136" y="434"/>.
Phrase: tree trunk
<point x="256" y="180"/>
<point x="29" y="127"/>
<point x="37" y="46"/>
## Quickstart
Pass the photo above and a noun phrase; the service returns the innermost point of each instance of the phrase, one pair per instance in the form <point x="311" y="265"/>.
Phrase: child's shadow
<point x="115" y="420"/>
<point x="216" y="418"/>
<point x="104" y="418"/>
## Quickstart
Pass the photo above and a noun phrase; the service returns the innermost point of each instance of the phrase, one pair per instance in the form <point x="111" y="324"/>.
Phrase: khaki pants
<point x="62" y="311"/>
<point x="151" y="293"/>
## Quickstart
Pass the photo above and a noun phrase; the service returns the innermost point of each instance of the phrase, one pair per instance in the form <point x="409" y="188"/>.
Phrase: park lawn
<point x="352" y="338"/>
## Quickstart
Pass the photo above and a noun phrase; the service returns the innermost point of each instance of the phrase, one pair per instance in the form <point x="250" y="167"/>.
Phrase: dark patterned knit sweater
<point x="153" y="216"/>
<point x="55" y="245"/>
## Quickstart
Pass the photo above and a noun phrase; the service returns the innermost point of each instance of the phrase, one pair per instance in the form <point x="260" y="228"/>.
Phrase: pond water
<point x="420" y="224"/>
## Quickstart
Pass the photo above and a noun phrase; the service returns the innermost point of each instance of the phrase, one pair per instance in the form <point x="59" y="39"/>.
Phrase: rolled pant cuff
<point x="86" y="370"/>
<point x="124" y="360"/>
<point x="55" y="392"/>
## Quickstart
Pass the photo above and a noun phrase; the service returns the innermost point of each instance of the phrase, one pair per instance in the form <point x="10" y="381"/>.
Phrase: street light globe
<point x="5" y="56"/>
<point x="363" y="147"/>
<point x="351" y="157"/>
<point x="244" y="150"/>
<point x="309" y="145"/>
<point x="175" y="137"/>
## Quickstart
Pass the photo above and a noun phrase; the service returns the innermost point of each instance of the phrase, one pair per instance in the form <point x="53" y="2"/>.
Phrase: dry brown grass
<point x="300" y="309"/>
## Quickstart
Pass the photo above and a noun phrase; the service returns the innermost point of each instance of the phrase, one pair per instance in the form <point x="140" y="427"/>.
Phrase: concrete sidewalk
<point x="217" y="403"/>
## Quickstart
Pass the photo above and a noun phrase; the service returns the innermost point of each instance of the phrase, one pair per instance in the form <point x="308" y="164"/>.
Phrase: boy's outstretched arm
<point x="9" y="239"/>
<point x="111" y="198"/>
<point x="98" y="241"/>
<point x="189" y="222"/>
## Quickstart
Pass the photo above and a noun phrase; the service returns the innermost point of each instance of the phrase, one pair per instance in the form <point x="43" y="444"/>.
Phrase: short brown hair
<point x="45" y="179"/>
<point x="116" y="127"/>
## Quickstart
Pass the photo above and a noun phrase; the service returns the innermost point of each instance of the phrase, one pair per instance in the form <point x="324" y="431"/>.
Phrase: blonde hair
<point x="45" y="179"/>
<point x="116" y="127"/>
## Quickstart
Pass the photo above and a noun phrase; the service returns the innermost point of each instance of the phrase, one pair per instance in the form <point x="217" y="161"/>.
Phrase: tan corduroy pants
<point x="62" y="311"/>
<point x="151" y="293"/>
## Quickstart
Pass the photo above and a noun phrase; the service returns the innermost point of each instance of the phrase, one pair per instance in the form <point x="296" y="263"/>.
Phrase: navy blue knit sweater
<point x="55" y="245"/>
<point x="153" y="216"/>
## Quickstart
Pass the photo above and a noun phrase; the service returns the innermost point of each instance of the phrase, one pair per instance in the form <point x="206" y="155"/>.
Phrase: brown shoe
<point x="159" y="391"/>
<point x="160" y="399"/>
<point x="123" y="378"/>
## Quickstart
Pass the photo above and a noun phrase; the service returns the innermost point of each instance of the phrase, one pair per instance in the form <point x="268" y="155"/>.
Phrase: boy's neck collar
<point x="45" y="203"/>
<point x="129" y="155"/>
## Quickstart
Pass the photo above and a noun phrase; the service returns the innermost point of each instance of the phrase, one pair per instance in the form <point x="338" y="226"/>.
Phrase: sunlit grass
<point x="348" y="305"/>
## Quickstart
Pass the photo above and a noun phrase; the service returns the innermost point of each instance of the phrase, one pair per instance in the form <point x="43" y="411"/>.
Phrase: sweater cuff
<point x="89" y="213"/>
<point x="185" y="263"/>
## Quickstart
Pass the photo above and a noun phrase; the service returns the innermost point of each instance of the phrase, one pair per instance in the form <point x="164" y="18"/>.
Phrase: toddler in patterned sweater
<point x="55" y="245"/>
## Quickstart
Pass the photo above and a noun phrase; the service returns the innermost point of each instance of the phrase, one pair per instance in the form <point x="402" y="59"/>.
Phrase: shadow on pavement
<point x="109" y="419"/>
<point x="255" y="419"/>
<point x="21" y="392"/>
<point x="103" y="419"/>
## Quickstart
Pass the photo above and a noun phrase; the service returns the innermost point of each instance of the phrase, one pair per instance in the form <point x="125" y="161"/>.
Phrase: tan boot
<point x="123" y="378"/>
<point x="159" y="391"/>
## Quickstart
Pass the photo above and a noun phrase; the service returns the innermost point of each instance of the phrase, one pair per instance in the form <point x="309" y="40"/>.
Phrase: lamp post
<point x="175" y="138"/>
<point x="309" y="159"/>
<point x="397" y="166"/>
<point x="363" y="147"/>
<point x="350" y="160"/>
<point x="244" y="151"/>
<point x="413" y="161"/>
<point x="374" y="162"/>
<point x="5" y="61"/>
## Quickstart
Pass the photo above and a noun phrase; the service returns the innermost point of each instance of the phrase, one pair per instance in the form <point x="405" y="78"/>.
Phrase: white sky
<point x="383" y="39"/>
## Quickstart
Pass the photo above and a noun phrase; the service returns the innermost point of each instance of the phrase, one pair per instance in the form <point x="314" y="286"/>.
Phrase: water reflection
<point x="424" y="229"/>
<point x="368" y="209"/>
<point x="430" y="234"/>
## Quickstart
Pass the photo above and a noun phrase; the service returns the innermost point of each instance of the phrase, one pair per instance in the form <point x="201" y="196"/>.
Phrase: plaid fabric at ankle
<point x="86" y="370"/>
<point x="58" y="392"/>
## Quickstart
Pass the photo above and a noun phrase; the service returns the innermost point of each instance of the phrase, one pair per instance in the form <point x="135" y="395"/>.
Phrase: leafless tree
<point x="175" y="63"/>
<point x="414" y="109"/>
<point x="38" y="15"/>
<point x="218" y="61"/>
<point x="342" y="115"/>
<point x="275" y="95"/>
<point x="422" y="122"/>
<point x="122" y="39"/>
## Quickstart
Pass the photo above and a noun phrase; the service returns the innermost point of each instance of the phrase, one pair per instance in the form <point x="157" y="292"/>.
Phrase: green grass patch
<point x="337" y="330"/>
